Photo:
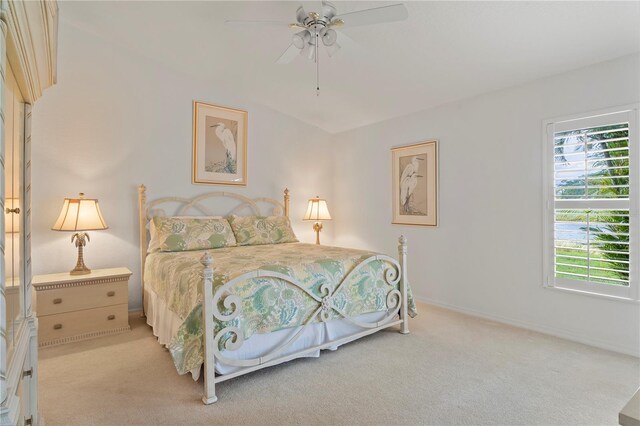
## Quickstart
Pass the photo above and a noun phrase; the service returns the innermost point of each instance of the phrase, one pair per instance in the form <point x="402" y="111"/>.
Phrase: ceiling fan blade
<point x="347" y="42"/>
<point x="328" y="10"/>
<point x="301" y="15"/>
<point x="378" y="15"/>
<point x="288" y="55"/>
<point x="245" y="24"/>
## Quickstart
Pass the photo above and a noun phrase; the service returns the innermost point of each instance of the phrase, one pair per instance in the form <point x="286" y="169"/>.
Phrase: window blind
<point x="592" y="221"/>
<point x="592" y="244"/>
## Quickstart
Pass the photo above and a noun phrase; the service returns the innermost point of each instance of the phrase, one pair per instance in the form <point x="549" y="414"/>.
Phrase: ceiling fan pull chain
<point x="317" y="65"/>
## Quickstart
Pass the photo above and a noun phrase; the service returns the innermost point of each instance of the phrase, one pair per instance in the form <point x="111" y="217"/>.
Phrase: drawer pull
<point x="111" y="317"/>
<point x="57" y="301"/>
<point x="57" y="326"/>
<point x="111" y="294"/>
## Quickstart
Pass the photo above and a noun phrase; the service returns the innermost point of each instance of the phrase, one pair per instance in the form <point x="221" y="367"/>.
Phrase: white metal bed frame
<point x="396" y="299"/>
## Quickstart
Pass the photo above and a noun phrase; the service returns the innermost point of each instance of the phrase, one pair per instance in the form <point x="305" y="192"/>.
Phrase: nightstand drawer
<point x="84" y="324"/>
<point x="70" y="299"/>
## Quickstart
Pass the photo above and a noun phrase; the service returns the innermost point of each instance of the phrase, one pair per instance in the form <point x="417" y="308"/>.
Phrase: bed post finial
<point x="404" y="309"/>
<point x="206" y="260"/>
<point x="209" y="396"/>
<point x="142" y="224"/>
<point x="286" y="202"/>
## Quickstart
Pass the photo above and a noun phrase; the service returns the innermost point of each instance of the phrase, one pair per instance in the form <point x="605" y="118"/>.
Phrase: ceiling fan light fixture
<point x="301" y="15"/>
<point x="329" y="37"/>
<point x="301" y="39"/>
<point x="333" y="49"/>
<point x="305" y="49"/>
<point x="328" y="10"/>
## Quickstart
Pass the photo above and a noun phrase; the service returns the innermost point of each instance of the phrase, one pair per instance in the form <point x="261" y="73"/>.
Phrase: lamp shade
<point x="317" y="210"/>
<point x="80" y="214"/>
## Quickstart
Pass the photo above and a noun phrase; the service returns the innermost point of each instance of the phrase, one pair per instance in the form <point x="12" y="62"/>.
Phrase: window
<point x="591" y="210"/>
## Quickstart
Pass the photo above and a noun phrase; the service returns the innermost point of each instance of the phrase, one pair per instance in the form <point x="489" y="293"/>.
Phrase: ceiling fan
<point x="320" y="28"/>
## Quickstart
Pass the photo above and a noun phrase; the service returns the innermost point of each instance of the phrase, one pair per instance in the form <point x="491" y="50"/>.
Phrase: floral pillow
<point x="255" y="230"/>
<point x="190" y="233"/>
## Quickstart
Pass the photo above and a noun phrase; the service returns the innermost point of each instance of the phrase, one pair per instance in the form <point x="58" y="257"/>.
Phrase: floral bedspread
<point x="268" y="304"/>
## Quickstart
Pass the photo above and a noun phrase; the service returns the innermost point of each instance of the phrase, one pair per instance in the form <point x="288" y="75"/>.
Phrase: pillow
<point x="189" y="233"/>
<point x="255" y="230"/>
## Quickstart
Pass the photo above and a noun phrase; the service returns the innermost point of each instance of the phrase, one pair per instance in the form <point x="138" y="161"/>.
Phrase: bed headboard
<point x="218" y="203"/>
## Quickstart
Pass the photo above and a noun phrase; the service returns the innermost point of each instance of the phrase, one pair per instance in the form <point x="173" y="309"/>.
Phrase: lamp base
<point x="317" y="227"/>
<point x="81" y="239"/>
<point x="80" y="271"/>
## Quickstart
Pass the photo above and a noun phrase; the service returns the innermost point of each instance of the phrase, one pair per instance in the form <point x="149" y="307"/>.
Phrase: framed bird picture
<point x="415" y="184"/>
<point x="219" y="145"/>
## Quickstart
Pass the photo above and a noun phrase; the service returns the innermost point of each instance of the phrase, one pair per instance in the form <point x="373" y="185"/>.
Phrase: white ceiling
<point x="444" y="52"/>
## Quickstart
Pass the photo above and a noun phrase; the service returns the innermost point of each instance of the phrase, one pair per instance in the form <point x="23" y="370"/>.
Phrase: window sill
<point x="591" y="294"/>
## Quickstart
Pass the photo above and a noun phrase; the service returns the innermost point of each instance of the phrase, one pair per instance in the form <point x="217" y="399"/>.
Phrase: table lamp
<point x="317" y="210"/>
<point x="79" y="215"/>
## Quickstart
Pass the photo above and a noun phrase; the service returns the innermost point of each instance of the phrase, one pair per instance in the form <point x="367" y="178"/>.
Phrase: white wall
<point x="116" y="120"/>
<point x="486" y="256"/>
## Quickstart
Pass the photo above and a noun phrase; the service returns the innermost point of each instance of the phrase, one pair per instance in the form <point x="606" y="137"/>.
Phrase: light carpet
<point x="451" y="369"/>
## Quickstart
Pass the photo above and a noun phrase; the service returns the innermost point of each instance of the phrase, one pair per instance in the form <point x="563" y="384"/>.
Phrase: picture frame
<point x="414" y="182"/>
<point x="219" y="155"/>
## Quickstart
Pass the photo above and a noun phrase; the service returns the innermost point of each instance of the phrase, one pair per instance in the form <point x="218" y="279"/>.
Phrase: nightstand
<point x="78" y="307"/>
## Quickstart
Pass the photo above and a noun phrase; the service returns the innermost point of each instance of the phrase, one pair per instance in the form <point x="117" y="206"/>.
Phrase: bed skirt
<point x="165" y="324"/>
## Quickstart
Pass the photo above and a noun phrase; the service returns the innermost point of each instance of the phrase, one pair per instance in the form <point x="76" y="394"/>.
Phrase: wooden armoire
<point x="28" y="40"/>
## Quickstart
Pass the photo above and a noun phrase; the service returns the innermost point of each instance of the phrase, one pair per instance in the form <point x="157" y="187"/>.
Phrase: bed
<point x="229" y="311"/>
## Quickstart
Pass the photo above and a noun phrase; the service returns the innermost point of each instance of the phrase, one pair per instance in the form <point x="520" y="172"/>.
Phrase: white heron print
<point x="413" y="199"/>
<point x="220" y="145"/>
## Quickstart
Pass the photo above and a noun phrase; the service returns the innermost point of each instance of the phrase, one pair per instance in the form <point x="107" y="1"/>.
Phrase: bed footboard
<point x="396" y="314"/>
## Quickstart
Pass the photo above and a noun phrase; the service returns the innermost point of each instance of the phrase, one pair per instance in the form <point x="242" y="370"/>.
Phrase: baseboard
<point x="136" y="313"/>
<point x="557" y="332"/>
